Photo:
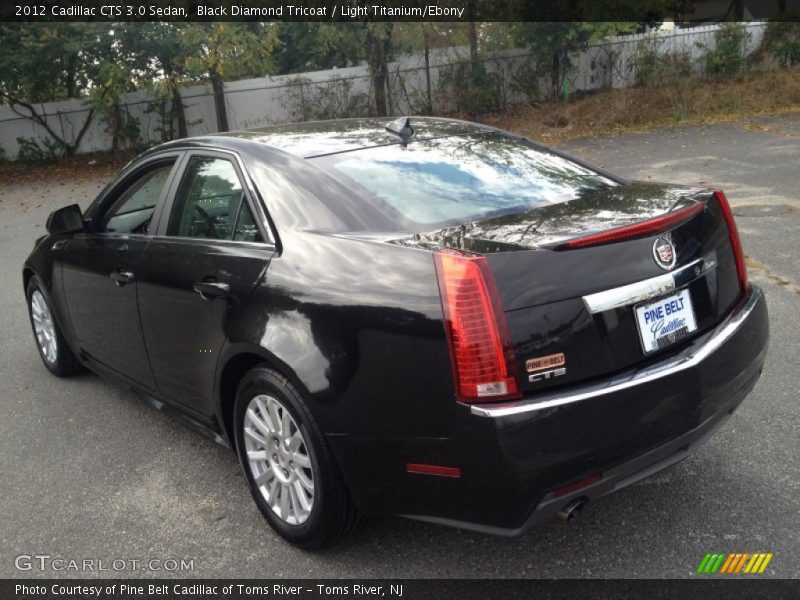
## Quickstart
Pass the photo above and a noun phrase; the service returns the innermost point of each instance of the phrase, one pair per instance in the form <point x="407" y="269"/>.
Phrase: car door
<point x="213" y="245"/>
<point x="100" y="268"/>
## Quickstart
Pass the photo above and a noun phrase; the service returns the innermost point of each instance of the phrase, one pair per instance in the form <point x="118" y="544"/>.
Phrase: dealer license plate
<point x="665" y="321"/>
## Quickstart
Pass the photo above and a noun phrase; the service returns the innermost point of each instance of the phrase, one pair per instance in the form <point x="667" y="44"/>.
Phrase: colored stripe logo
<point x="734" y="563"/>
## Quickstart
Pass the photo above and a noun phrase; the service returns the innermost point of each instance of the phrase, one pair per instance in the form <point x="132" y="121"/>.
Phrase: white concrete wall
<point x="263" y="101"/>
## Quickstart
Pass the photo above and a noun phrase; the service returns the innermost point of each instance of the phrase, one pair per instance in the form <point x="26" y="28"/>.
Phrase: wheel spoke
<point x="300" y="492"/>
<point x="272" y="407"/>
<point x="273" y="494"/>
<point x="257" y="454"/>
<point x="284" y="502"/>
<point x="255" y="437"/>
<point x="266" y="476"/>
<point x="286" y="424"/>
<point x="294" y="504"/>
<point x="262" y="410"/>
<point x="304" y="480"/>
<point x="301" y="460"/>
<point x="295" y="442"/>
<point x="256" y="420"/>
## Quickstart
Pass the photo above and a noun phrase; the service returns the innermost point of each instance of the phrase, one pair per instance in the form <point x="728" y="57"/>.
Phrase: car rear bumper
<point x="518" y="460"/>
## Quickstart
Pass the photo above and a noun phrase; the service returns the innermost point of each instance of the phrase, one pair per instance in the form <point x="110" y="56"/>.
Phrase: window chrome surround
<point x="97" y="211"/>
<point x="251" y="196"/>
<point x="649" y="288"/>
<point x="688" y="358"/>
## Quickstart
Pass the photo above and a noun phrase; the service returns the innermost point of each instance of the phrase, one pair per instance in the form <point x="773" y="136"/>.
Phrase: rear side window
<point x="210" y="203"/>
<point x="453" y="180"/>
<point x="133" y="209"/>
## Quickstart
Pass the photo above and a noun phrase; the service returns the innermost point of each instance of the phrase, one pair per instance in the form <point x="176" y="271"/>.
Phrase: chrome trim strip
<point x="649" y="288"/>
<point x="687" y="359"/>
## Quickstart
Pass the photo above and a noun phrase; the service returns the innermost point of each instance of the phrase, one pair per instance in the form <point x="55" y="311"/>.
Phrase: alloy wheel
<point x="44" y="327"/>
<point x="278" y="459"/>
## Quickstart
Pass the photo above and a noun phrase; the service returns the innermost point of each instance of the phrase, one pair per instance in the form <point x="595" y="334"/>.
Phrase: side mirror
<point x="65" y="220"/>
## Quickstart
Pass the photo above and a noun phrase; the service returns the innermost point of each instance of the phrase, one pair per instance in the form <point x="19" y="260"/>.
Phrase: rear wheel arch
<point x="236" y="366"/>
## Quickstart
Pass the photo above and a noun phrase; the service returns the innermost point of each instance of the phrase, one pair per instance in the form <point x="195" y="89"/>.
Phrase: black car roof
<point x="318" y="138"/>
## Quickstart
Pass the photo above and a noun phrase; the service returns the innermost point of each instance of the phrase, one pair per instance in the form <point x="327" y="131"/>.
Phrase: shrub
<point x="782" y="41"/>
<point x="333" y="99"/>
<point x="475" y="91"/>
<point x="654" y="70"/>
<point x="526" y="81"/>
<point x="39" y="151"/>
<point x="727" y="57"/>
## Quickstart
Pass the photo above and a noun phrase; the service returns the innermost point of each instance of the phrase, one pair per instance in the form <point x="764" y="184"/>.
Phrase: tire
<point x="56" y="354"/>
<point x="326" y="513"/>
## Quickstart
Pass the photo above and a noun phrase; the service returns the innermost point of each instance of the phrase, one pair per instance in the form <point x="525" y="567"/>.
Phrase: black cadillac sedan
<point x="429" y="318"/>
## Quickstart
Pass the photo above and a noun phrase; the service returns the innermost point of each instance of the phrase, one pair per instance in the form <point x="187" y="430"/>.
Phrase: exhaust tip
<point x="573" y="509"/>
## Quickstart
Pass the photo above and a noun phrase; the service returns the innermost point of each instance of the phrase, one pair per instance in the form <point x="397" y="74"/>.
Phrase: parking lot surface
<point x="89" y="471"/>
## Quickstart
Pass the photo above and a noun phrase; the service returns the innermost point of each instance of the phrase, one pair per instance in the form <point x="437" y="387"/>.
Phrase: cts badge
<point x="547" y="367"/>
<point x="545" y="375"/>
<point x="664" y="252"/>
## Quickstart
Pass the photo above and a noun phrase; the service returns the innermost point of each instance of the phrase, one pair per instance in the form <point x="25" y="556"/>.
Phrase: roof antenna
<point x="402" y="128"/>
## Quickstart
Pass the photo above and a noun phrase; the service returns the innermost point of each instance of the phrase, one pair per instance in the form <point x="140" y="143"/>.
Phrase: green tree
<point x="43" y="62"/>
<point x="552" y="43"/>
<point x="315" y="46"/>
<point x="220" y="51"/>
<point x="156" y="56"/>
<point x="782" y="40"/>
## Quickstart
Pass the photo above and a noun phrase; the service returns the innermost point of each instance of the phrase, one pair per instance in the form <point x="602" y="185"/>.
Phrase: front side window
<point x="133" y="210"/>
<point x="208" y="200"/>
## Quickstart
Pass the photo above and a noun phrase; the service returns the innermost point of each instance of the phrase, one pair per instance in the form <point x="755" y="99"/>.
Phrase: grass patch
<point x="641" y="108"/>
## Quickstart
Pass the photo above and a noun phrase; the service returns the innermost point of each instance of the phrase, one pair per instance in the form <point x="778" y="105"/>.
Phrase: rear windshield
<point x="447" y="181"/>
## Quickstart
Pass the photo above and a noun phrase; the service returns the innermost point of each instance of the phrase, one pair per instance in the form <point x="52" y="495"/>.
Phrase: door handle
<point x="209" y="290"/>
<point x="121" y="277"/>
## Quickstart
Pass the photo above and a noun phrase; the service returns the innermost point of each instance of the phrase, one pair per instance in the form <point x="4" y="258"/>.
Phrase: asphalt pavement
<point x="91" y="472"/>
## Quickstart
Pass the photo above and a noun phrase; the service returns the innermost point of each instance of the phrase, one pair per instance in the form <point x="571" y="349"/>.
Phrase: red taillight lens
<point x="637" y="230"/>
<point x="480" y="345"/>
<point x="736" y="243"/>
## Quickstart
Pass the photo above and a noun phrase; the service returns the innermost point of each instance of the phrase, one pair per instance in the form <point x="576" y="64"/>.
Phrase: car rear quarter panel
<point x="359" y="326"/>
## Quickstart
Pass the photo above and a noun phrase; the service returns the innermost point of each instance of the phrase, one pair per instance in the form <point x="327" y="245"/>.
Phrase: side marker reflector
<point x="433" y="470"/>
<point x="578" y="485"/>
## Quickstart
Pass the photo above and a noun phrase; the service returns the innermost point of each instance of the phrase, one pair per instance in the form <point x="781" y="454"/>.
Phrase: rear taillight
<point x="736" y="243"/>
<point x="477" y="332"/>
<point x="637" y="230"/>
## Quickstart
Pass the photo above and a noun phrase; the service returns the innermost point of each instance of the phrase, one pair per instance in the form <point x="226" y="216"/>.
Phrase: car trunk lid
<point x="555" y="293"/>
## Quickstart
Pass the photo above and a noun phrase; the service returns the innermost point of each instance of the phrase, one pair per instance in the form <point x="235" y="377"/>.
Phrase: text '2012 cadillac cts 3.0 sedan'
<point x="433" y="318"/>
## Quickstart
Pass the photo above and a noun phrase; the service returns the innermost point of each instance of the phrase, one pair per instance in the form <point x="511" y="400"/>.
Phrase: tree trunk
<point x="738" y="10"/>
<point x="219" y="100"/>
<point x="71" y="86"/>
<point x="177" y="110"/>
<point x="472" y="33"/>
<point x="379" y="85"/>
<point x="69" y="149"/>
<point x="555" y="77"/>
<point x="378" y="48"/>
<point x="473" y="45"/>
<point x="428" y="71"/>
